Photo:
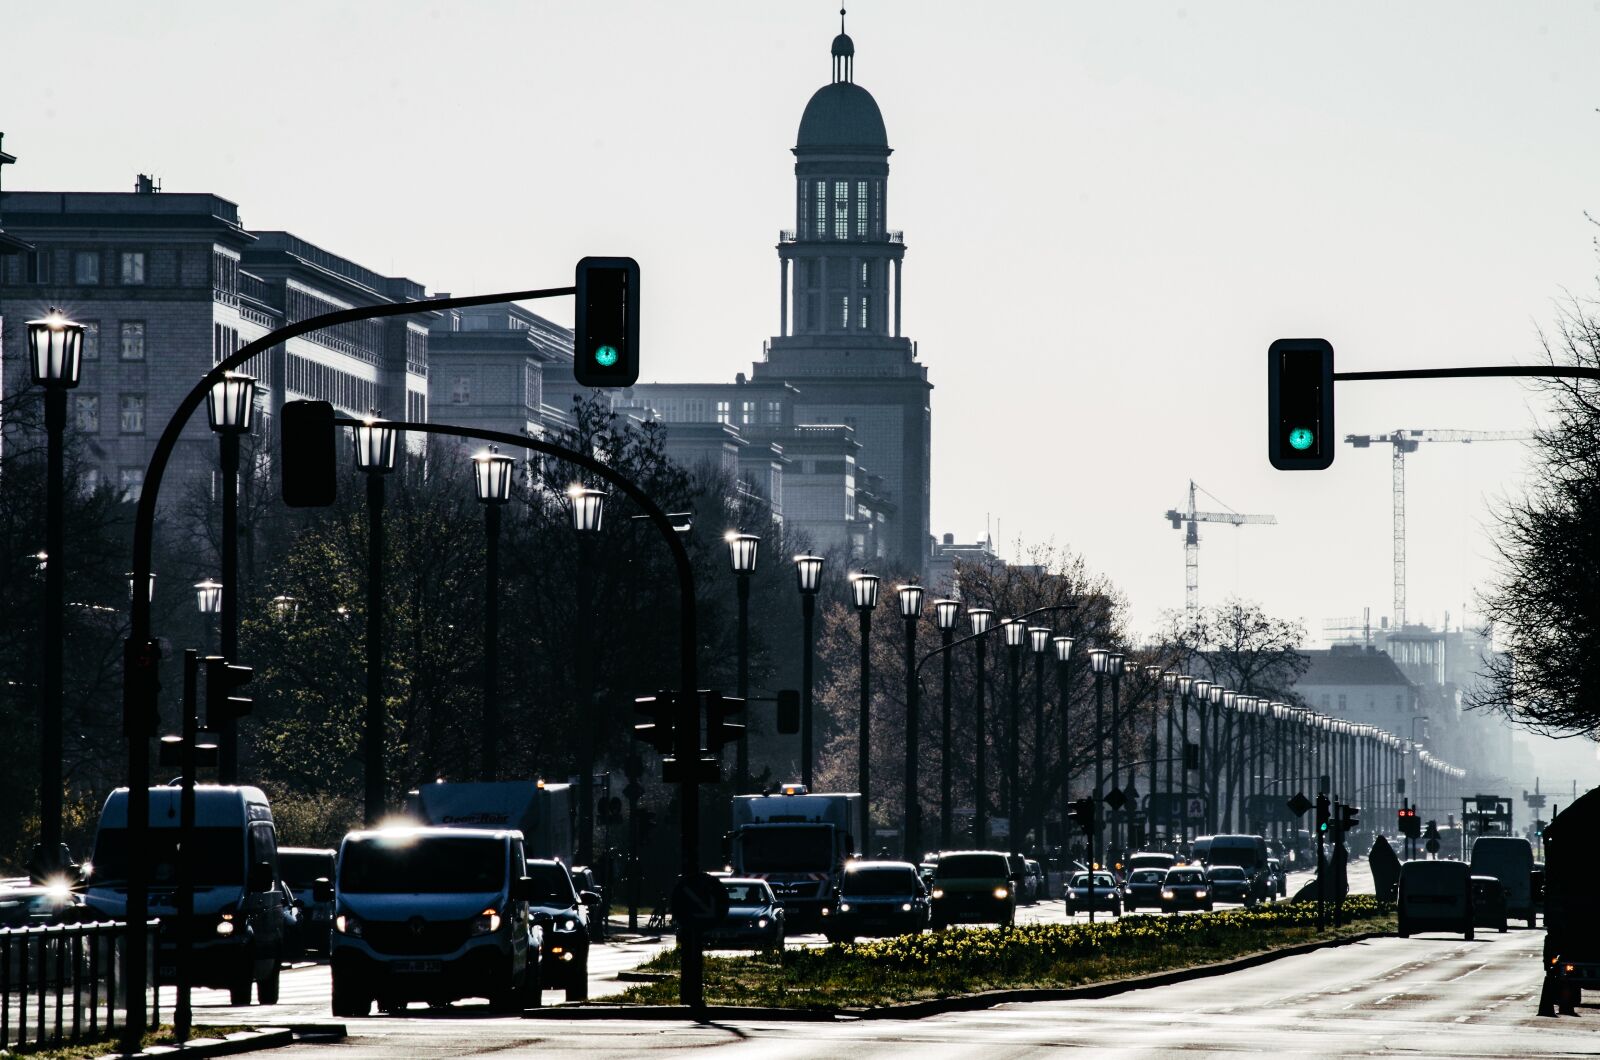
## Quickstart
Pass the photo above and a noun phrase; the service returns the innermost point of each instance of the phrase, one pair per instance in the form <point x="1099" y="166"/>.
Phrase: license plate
<point x="416" y="967"/>
<point x="167" y="971"/>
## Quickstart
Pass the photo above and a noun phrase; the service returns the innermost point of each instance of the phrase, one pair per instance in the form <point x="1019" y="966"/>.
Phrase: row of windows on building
<point x="130" y="481"/>
<point x="1399" y="702"/>
<point x="87" y="267"/>
<point x="858" y="308"/>
<point x="320" y="382"/>
<point x="825" y="209"/>
<point x="130" y="340"/>
<point x="812" y="273"/>
<point x="130" y="413"/>
<point x="360" y="338"/>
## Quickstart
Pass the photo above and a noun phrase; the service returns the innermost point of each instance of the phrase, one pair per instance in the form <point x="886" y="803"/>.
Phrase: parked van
<point x="433" y="914"/>
<point x="238" y="904"/>
<point x="1508" y="859"/>
<point x="1435" y="896"/>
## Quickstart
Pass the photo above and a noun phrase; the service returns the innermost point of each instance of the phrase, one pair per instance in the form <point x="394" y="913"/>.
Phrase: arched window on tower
<point x="841" y="209"/>
<point x="821" y="220"/>
<point x="861" y="209"/>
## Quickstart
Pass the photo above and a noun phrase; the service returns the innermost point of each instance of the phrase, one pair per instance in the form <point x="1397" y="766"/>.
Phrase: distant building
<point x="1359" y="684"/>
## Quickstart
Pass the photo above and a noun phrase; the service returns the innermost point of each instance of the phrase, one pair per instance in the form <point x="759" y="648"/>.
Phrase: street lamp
<point x="56" y="348"/>
<point x="1100" y="664"/>
<point x="491" y="479"/>
<point x="910" y="610"/>
<point x="981" y="619"/>
<point x="946" y="614"/>
<point x="587" y="506"/>
<point x="1063" y="649"/>
<point x="1015" y="632"/>
<point x="230" y="407"/>
<point x="150" y="586"/>
<point x="1039" y="642"/>
<point x="208" y="597"/>
<point x="742" y="552"/>
<point x="808" y="577"/>
<point x="1211" y="736"/>
<point x="375" y="445"/>
<point x="864" y="594"/>
<point x="1117" y="667"/>
<point x="285" y="607"/>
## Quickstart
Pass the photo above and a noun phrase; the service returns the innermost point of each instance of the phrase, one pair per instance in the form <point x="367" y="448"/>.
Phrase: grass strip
<point x="106" y="1045"/>
<point x="964" y="961"/>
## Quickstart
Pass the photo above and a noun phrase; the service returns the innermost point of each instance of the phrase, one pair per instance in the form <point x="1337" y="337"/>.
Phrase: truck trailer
<point x="541" y="812"/>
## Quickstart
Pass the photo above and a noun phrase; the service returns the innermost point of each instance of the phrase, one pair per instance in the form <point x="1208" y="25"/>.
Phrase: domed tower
<point x="839" y="341"/>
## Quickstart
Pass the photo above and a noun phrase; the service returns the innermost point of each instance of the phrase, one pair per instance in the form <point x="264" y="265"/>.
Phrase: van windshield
<point x="431" y="865"/>
<point x="1226" y="854"/>
<point x="972" y="866"/>
<point x="891" y="882"/>
<point x="218" y="857"/>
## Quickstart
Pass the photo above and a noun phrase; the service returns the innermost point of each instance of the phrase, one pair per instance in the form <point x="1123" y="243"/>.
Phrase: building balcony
<point x="789" y="235"/>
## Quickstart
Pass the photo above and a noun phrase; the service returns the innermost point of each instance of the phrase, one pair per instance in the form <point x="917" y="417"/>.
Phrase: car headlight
<point x="844" y="907"/>
<point x="905" y="907"/>
<point x="762" y="922"/>
<point x="487" y="923"/>
<point x="225" y="925"/>
<point x="1002" y="892"/>
<point x="1166" y="894"/>
<point x="826" y="910"/>
<point x="347" y="925"/>
<point x="1201" y="893"/>
<point x="938" y="892"/>
<point x="569" y="924"/>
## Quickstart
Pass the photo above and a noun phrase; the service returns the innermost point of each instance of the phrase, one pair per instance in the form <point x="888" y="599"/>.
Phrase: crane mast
<point x="1189" y="521"/>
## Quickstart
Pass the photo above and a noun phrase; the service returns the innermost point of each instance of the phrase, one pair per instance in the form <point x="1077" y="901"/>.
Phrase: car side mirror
<point x="522" y="888"/>
<point x="322" y="889"/>
<point x="589" y="898"/>
<point x="260" y="879"/>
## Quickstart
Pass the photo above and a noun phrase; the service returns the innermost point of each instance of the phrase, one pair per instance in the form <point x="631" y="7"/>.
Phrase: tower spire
<point x="844" y="54"/>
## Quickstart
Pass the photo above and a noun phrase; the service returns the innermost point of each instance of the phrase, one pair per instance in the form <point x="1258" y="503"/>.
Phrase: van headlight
<point x="938" y="892"/>
<point x="1201" y="893"/>
<point x="345" y="924"/>
<point x="225" y="925"/>
<point x="1002" y="892"/>
<point x="487" y="923"/>
<point x="1166" y="894"/>
<point x="905" y="907"/>
<point x="844" y="907"/>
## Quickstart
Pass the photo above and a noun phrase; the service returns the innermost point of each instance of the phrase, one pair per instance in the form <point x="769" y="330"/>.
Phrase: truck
<point x="1508" y="859"/>
<point x="541" y="812"/>
<point x="1572" y="931"/>
<point x="799" y="843"/>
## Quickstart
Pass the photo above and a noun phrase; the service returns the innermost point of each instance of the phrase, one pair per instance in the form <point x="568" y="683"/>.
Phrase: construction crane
<point x="1406" y="442"/>
<point x="1191" y="540"/>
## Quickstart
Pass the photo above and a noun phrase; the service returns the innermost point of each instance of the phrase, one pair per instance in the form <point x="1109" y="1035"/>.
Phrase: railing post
<point x="5" y="989"/>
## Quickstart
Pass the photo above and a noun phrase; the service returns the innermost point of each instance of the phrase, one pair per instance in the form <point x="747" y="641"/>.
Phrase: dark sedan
<point x="1229" y="883"/>
<point x="1105" y="896"/>
<point x="1186" y="888"/>
<point x="754" y="920"/>
<point x="1143" y="889"/>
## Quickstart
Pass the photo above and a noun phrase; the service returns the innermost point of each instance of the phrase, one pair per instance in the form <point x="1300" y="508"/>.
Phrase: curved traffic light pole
<point x="141" y="655"/>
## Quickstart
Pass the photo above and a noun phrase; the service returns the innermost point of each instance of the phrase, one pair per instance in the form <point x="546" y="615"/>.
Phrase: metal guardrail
<point x="60" y="982"/>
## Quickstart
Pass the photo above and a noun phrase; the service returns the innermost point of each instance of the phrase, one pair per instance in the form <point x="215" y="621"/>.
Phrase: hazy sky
<point x="1110" y="210"/>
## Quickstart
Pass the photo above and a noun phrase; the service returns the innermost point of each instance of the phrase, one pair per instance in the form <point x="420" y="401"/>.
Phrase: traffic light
<point x="788" y="711"/>
<point x="1300" y="404"/>
<point x="223" y="679"/>
<point x="1322" y="815"/>
<point x="141" y="684"/>
<point x="658" y="730"/>
<point x="1410" y="826"/>
<point x="605" y="331"/>
<point x="721" y="730"/>
<point x="1348" y="819"/>
<point x="1083" y="814"/>
<point x="308" y="456"/>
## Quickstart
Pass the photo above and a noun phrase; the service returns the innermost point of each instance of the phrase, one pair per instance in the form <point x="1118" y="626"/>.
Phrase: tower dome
<point x="842" y="114"/>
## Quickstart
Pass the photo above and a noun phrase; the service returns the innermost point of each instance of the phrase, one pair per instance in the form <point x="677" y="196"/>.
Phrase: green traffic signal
<point x="1301" y="439"/>
<point x="606" y="356"/>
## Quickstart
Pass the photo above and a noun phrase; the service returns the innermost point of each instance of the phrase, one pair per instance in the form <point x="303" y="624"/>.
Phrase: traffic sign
<point x="699" y="899"/>
<point x="1299" y="804"/>
<point x="1116" y="800"/>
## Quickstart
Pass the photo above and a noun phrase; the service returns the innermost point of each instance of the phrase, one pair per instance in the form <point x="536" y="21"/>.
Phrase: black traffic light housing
<point x="788" y="711"/>
<point x="1349" y="819"/>
<point x="1300" y="404"/>
<point x="605" y="330"/>
<point x="1083" y="814"/>
<point x="1322" y="814"/>
<point x="1410" y="825"/>
<point x="223" y="680"/>
<point x="721" y="729"/>
<point x="1191" y="756"/>
<point x="659" y="725"/>
<point x="308" y="454"/>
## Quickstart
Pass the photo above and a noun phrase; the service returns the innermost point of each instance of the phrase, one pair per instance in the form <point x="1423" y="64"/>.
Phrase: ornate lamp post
<point x="588" y="514"/>
<point x="808" y="576"/>
<point x="743" y="550"/>
<point x="910" y="610"/>
<point x="1100" y="664"/>
<point x="1039" y="642"/>
<point x="864" y="594"/>
<point x="208" y="597"/>
<point x="1016" y="638"/>
<point x="55" y="346"/>
<point x="980" y="618"/>
<point x="946" y="613"/>
<point x="375" y="445"/>
<point x="1063" y="648"/>
<point x="1211" y="749"/>
<point x="1119" y="664"/>
<point x="491" y="477"/>
<point x="231" y="409"/>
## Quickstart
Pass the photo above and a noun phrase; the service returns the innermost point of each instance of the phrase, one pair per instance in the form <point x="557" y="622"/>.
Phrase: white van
<point x="1435" y="896"/>
<point x="238" y="906"/>
<point x="1508" y="859"/>
<point x="432" y="914"/>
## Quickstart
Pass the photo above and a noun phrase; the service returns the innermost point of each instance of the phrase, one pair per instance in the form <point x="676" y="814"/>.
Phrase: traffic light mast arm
<point x="1549" y="371"/>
